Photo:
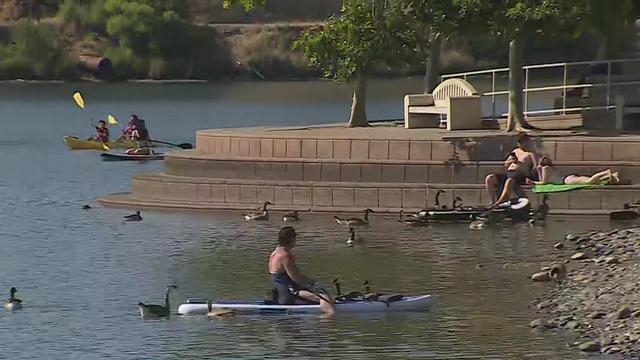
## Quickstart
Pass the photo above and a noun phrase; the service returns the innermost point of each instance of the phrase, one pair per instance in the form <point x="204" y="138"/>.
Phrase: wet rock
<point x="571" y="237"/>
<point x="623" y="313"/>
<point x="572" y="325"/>
<point x="545" y="304"/>
<point x="612" y="350"/>
<point x="589" y="346"/>
<point x="635" y="314"/>
<point x="541" y="323"/>
<point x="541" y="276"/>
<point x="596" y="315"/>
<point x="611" y="260"/>
<point x="545" y="268"/>
<point x="579" y="256"/>
<point x="559" y="246"/>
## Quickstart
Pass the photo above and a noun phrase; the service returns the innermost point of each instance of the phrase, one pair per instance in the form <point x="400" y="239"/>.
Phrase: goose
<point x="457" y="203"/>
<point x="352" y="236"/>
<point x="354" y="220"/>
<point x="409" y="218"/>
<point x="211" y="312"/>
<point x="86" y="207"/>
<point x="558" y="272"/>
<point x="13" y="303"/>
<point x="424" y="213"/>
<point x="336" y="283"/>
<point x="157" y="311"/>
<point x="292" y="216"/>
<point x="264" y="215"/>
<point x="133" y="217"/>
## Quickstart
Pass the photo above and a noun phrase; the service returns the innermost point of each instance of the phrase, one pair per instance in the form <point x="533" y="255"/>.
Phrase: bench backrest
<point x="452" y="88"/>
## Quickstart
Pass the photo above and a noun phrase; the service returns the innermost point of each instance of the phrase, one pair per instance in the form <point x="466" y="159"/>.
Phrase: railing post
<point x="564" y="89"/>
<point x="493" y="95"/>
<point x="526" y="92"/>
<point x="608" y="84"/>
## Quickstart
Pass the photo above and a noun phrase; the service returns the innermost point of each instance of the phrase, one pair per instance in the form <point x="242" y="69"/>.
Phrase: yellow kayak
<point x="78" y="144"/>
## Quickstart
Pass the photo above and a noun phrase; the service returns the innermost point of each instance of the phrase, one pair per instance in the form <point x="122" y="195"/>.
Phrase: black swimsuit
<point x="286" y="288"/>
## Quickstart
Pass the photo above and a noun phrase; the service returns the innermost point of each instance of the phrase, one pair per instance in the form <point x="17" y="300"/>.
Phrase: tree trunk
<point x="358" y="105"/>
<point x="515" y="119"/>
<point x="432" y="70"/>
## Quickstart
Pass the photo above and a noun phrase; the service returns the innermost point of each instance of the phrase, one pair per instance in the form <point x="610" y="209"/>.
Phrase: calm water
<point x="81" y="273"/>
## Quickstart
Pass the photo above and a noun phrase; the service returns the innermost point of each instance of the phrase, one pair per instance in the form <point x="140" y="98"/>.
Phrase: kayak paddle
<point x="182" y="146"/>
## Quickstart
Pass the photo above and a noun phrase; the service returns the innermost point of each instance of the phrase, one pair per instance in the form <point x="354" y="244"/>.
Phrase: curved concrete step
<point x="303" y="194"/>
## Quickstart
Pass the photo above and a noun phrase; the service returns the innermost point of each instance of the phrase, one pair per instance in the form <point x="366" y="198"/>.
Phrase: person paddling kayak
<point x="102" y="132"/>
<point x="289" y="285"/>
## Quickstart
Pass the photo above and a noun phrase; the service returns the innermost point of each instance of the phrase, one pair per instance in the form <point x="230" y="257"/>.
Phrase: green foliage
<point x="34" y="52"/>
<point x="247" y="4"/>
<point x="84" y="13"/>
<point x="126" y="64"/>
<point x="365" y="34"/>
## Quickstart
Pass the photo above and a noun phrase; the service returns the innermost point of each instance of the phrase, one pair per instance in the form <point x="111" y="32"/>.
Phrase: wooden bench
<point x="455" y="99"/>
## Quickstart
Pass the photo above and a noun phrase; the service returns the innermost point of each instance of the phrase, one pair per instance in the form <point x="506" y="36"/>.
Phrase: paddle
<point x="182" y="146"/>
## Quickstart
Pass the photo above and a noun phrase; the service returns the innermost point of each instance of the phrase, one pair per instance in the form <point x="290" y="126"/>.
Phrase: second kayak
<point x="76" y="143"/>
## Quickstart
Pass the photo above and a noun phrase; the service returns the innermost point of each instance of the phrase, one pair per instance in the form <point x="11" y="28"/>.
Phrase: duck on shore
<point x="264" y="215"/>
<point x="13" y="303"/>
<point x="150" y="311"/>
<point x="354" y="220"/>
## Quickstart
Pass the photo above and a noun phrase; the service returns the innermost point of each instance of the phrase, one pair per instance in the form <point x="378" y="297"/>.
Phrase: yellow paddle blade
<point x="111" y="120"/>
<point x="78" y="98"/>
<point x="105" y="147"/>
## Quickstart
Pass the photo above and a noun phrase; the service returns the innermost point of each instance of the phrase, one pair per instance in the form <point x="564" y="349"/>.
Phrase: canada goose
<point x="264" y="215"/>
<point x="558" y="272"/>
<point x="352" y="236"/>
<point x="292" y="216"/>
<point x="13" y="303"/>
<point x="354" y="220"/>
<point x="133" y="217"/>
<point x="336" y="283"/>
<point x="86" y="207"/>
<point x="157" y="311"/>
<point x="211" y="312"/>
<point x="436" y="204"/>
<point x="456" y="201"/>
<point x="409" y="218"/>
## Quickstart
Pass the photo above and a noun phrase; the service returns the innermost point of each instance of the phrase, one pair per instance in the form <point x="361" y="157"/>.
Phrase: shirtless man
<point x="291" y="286"/>
<point x="527" y="169"/>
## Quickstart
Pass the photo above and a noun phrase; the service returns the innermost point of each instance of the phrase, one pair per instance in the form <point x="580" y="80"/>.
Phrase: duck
<point x="86" y="207"/>
<point x="264" y="215"/>
<point x="558" y="272"/>
<point x="354" y="220"/>
<point x="352" y="236"/>
<point x="133" y="217"/>
<point x="290" y="217"/>
<point x="12" y="302"/>
<point x="157" y="311"/>
<point x="211" y="312"/>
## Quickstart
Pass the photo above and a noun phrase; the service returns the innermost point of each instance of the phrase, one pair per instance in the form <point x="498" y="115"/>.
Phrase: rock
<point x="579" y="256"/>
<point x="571" y="237"/>
<point x="611" y="260"/>
<point x="559" y="246"/>
<point x="545" y="268"/>
<point x="596" y="315"/>
<point x="541" y="323"/>
<point x="572" y="325"/>
<point x="635" y="314"/>
<point x="589" y="346"/>
<point x="623" y="313"/>
<point x="545" y="304"/>
<point x="612" y="350"/>
<point x="541" y="276"/>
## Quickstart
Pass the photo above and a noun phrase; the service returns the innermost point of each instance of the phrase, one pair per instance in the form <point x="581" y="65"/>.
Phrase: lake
<point x="81" y="273"/>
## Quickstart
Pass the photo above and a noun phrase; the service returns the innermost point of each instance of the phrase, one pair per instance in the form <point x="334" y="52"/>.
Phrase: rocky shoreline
<point x="599" y="299"/>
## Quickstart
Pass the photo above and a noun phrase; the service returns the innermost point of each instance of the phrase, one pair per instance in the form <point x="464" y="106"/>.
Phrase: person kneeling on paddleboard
<point x="290" y="286"/>
<point x="515" y="179"/>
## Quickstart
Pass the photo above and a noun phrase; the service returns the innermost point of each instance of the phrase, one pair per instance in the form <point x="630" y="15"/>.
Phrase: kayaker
<point x="290" y="286"/>
<point x="102" y="132"/>
<point x="131" y="127"/>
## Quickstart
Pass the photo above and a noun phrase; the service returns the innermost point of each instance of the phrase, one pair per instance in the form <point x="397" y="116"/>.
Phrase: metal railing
<point x="583" y="83"/>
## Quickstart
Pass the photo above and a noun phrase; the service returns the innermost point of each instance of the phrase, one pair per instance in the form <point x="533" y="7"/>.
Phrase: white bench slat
<point x="428" y="109"/>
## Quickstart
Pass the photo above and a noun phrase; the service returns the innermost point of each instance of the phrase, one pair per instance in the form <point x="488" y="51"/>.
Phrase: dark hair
<point x="286" y="236"/>
<point x="102" y="122"/>
<point x="514" y="156"/>
<point x="545" y="161"/>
